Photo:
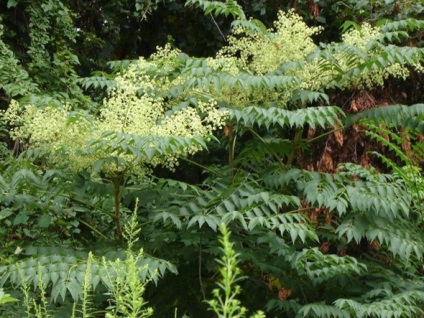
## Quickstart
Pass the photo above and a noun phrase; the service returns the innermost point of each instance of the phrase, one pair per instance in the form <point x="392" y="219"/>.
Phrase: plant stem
<point x="92" y="228"/>
<point x="231" y="147"/>
<point x="231" y="150"/>
<point x="270" y="150"/>
<point x="200" y="265"/>
<point x="117" y="199"/>
<point x="296" y="139"/>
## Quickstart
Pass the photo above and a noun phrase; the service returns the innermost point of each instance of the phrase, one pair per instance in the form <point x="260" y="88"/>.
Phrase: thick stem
<point x="117" y="215"/>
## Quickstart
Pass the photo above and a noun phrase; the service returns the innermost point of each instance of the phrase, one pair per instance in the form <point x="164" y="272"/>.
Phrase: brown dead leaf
<point x="313" y="7"/>
<point x="361" y="102"/>
<point x="338" y="135"/>
<point x="353" y="106"/>
<point x="310" y="167"/>
<point x="375" y="245"/>
<point x="326" y="162"/>
<point x="356" y="127"/>
<point x="314" y="216"/>
<point x="284" y="293"/>
<point x="328" y="218"/>
<point x="406" y="145"/>
<point x="227" y="130"/>
<point x="311" y="133"/>
<point x="325" y="247"/>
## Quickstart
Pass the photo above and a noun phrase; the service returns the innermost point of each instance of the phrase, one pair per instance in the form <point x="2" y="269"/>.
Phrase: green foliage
<point x="131" y="126"/>
<point x="126" y="287"/>
<point x="405" y="304"/>
<point x="79" y="276"/>
<point x="230" y="7"/>
<point x="365" y="59"/>
<point x="64" y="273"/>
<point x="322" y="310"/>
<point x="342" y="244"/>
<point x="14" y="78"/>
<point x="409" y="117"/>
<point x="243" y="202"/>
<point x="44" y="17"/>
<point x="323" y="117"/>
<point x="97" y="82"/>
<point x="30" y="204"/>
<point x="4" y="151"/>
<point x="225" y="303"/>
<point x="44" y="59"/>
<point x="319" y="267"/>
<point x="5" y="298"/>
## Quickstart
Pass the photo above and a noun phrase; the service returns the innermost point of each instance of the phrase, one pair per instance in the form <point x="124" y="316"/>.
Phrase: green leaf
<point x="44" y="221"/>
<point x="12" y="3"/>
<point x="5" y="213"/>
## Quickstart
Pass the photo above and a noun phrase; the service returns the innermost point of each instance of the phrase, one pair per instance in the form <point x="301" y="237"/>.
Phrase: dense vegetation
<point x="135" y="136"/>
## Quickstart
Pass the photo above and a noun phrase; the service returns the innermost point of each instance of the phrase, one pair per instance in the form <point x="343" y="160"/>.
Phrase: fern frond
<point x="66" y="274"/>
<point x="120" y="65"/>
<point x="406" y="25"/>
<point x="265" y="117"/>
<point x="411" y="117"/>
<point x="323" y="190"/>
<point x="379" y="196"/>
<point x="242" y="81"/>
<point x="391" y="200"/>
<point x="287" y="306"/>
<point x="398" y="30"/>
<point x="143" y="146"/>
<point x="393" y="142"/>
<point x="244" y="203"/>
<point x="230" y="7"/>
<point x="404" y="304"/>
<point x="322" y="310"/>
<point x="307" y="97"/>
<point x="321" y="267"/>
<point x="252" y="25"/>
<point x="96" y="82"/>
<point x="392" y="36"/>
<point x="352" y="171"/>
<point x="399" y="242"/>
<point x="407" y="245"/>
<point x="359" y="64"/>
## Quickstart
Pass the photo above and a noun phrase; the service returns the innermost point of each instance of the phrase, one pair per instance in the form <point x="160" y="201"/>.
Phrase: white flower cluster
<point x="49" y="125"/>
<point x="142" y="103"/>
<point x="362" y="36"/>
<point x="359" y="46"/>
<point x="130" y="109"/>
<point x="354" y="62"/>
<point x="258" y="53"/>
<point x="289" y="41"/>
